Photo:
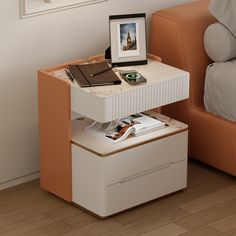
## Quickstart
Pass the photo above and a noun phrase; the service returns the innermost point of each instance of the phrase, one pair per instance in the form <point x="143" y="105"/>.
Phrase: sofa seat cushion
<point x="220" y="89"/>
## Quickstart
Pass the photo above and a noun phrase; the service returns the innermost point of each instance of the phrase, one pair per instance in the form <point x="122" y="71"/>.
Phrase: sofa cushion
<point x="220" y="43"/>
<point x="220" y="89"/>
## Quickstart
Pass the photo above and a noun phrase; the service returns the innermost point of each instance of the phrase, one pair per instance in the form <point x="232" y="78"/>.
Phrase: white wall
<point x="29" y="44"/>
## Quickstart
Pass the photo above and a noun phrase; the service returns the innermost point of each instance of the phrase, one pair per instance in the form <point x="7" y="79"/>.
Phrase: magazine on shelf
<point x="118" y="130"/>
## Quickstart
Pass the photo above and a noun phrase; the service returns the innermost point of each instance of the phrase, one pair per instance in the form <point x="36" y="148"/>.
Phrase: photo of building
<point x="128" y="38"/>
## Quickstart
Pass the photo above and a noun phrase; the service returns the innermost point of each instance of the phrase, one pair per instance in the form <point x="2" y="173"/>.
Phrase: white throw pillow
<point x="220" y="89"/>
<point x="219" y="43"/>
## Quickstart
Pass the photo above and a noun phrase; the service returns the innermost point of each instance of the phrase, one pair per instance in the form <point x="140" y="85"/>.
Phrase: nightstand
<point x="107" y="178"/>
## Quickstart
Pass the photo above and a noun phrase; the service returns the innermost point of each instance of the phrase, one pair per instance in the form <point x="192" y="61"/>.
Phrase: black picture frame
<point x="128" y="39"/>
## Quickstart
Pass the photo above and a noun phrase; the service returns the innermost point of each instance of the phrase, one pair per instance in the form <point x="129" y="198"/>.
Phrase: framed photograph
<point x="128" y="39"/>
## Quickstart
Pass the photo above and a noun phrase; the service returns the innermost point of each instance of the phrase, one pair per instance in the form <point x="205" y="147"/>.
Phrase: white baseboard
<point x="19" y="180"/>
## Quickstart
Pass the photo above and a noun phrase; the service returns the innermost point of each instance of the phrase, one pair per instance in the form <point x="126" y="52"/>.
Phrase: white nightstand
<point x="108" y="178"/>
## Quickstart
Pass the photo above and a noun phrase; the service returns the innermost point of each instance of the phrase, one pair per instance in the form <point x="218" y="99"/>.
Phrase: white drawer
<point x="145" y="188"/>
<point x="106" y="185"/>
<point x="146" y="158"/>
<point x="95" y="107"/>
<point x="165" y="85"/>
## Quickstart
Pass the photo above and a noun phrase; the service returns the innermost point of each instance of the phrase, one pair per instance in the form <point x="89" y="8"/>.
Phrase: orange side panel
<point x="55" y="135"/>
<point x="212" y="140"/>
<point x="154" y="57"/>
<point x="96" y="58"/>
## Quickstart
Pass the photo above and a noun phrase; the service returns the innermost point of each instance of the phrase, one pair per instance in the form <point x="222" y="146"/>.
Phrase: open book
<point x="118" y="130"/>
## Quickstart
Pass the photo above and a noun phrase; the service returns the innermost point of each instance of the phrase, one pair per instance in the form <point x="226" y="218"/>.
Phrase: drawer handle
<point x="146" y="172"/>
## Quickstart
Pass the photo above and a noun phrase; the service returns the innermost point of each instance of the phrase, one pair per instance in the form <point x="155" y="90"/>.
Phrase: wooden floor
<point x="207" y="207"/>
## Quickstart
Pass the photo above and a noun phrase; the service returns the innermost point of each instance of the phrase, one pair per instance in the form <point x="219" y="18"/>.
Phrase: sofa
<point x="176" y="35"/>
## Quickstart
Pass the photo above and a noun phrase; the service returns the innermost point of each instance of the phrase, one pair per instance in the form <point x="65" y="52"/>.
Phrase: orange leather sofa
<point x="177" y="37"/>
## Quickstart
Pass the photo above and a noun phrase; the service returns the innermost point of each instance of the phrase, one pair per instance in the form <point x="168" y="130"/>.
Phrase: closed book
<point x="93" y="74"/>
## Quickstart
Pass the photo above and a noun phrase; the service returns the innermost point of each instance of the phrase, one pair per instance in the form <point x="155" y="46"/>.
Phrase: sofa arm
<point x="177" y="37"/>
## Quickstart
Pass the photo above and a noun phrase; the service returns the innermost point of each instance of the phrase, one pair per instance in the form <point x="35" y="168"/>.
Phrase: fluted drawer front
<point x="165" y="85"/>
<point x="150" y="97"/>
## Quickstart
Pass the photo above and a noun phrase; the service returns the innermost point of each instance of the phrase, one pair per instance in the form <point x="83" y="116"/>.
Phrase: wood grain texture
<point x="98" y="228"/>
<point x="149" y="222"/>
<point x="170" y="229"/>
<point x="210" y="200"/>
<point x="226" y="224"/>
<point x="207" y="208"/>
<point x="209" y="215"/>
<point x="230" y="233"/>
<point x="202" y="231"/>
<point x="55" y="229"/>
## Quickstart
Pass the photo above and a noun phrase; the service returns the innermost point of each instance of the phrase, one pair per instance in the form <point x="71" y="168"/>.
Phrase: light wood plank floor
<point x="207" y="207"/>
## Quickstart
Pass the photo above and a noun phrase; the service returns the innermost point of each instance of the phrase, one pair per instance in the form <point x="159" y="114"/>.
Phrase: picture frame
<point x="128" y="39"/>
<point x="30" y="8"/>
